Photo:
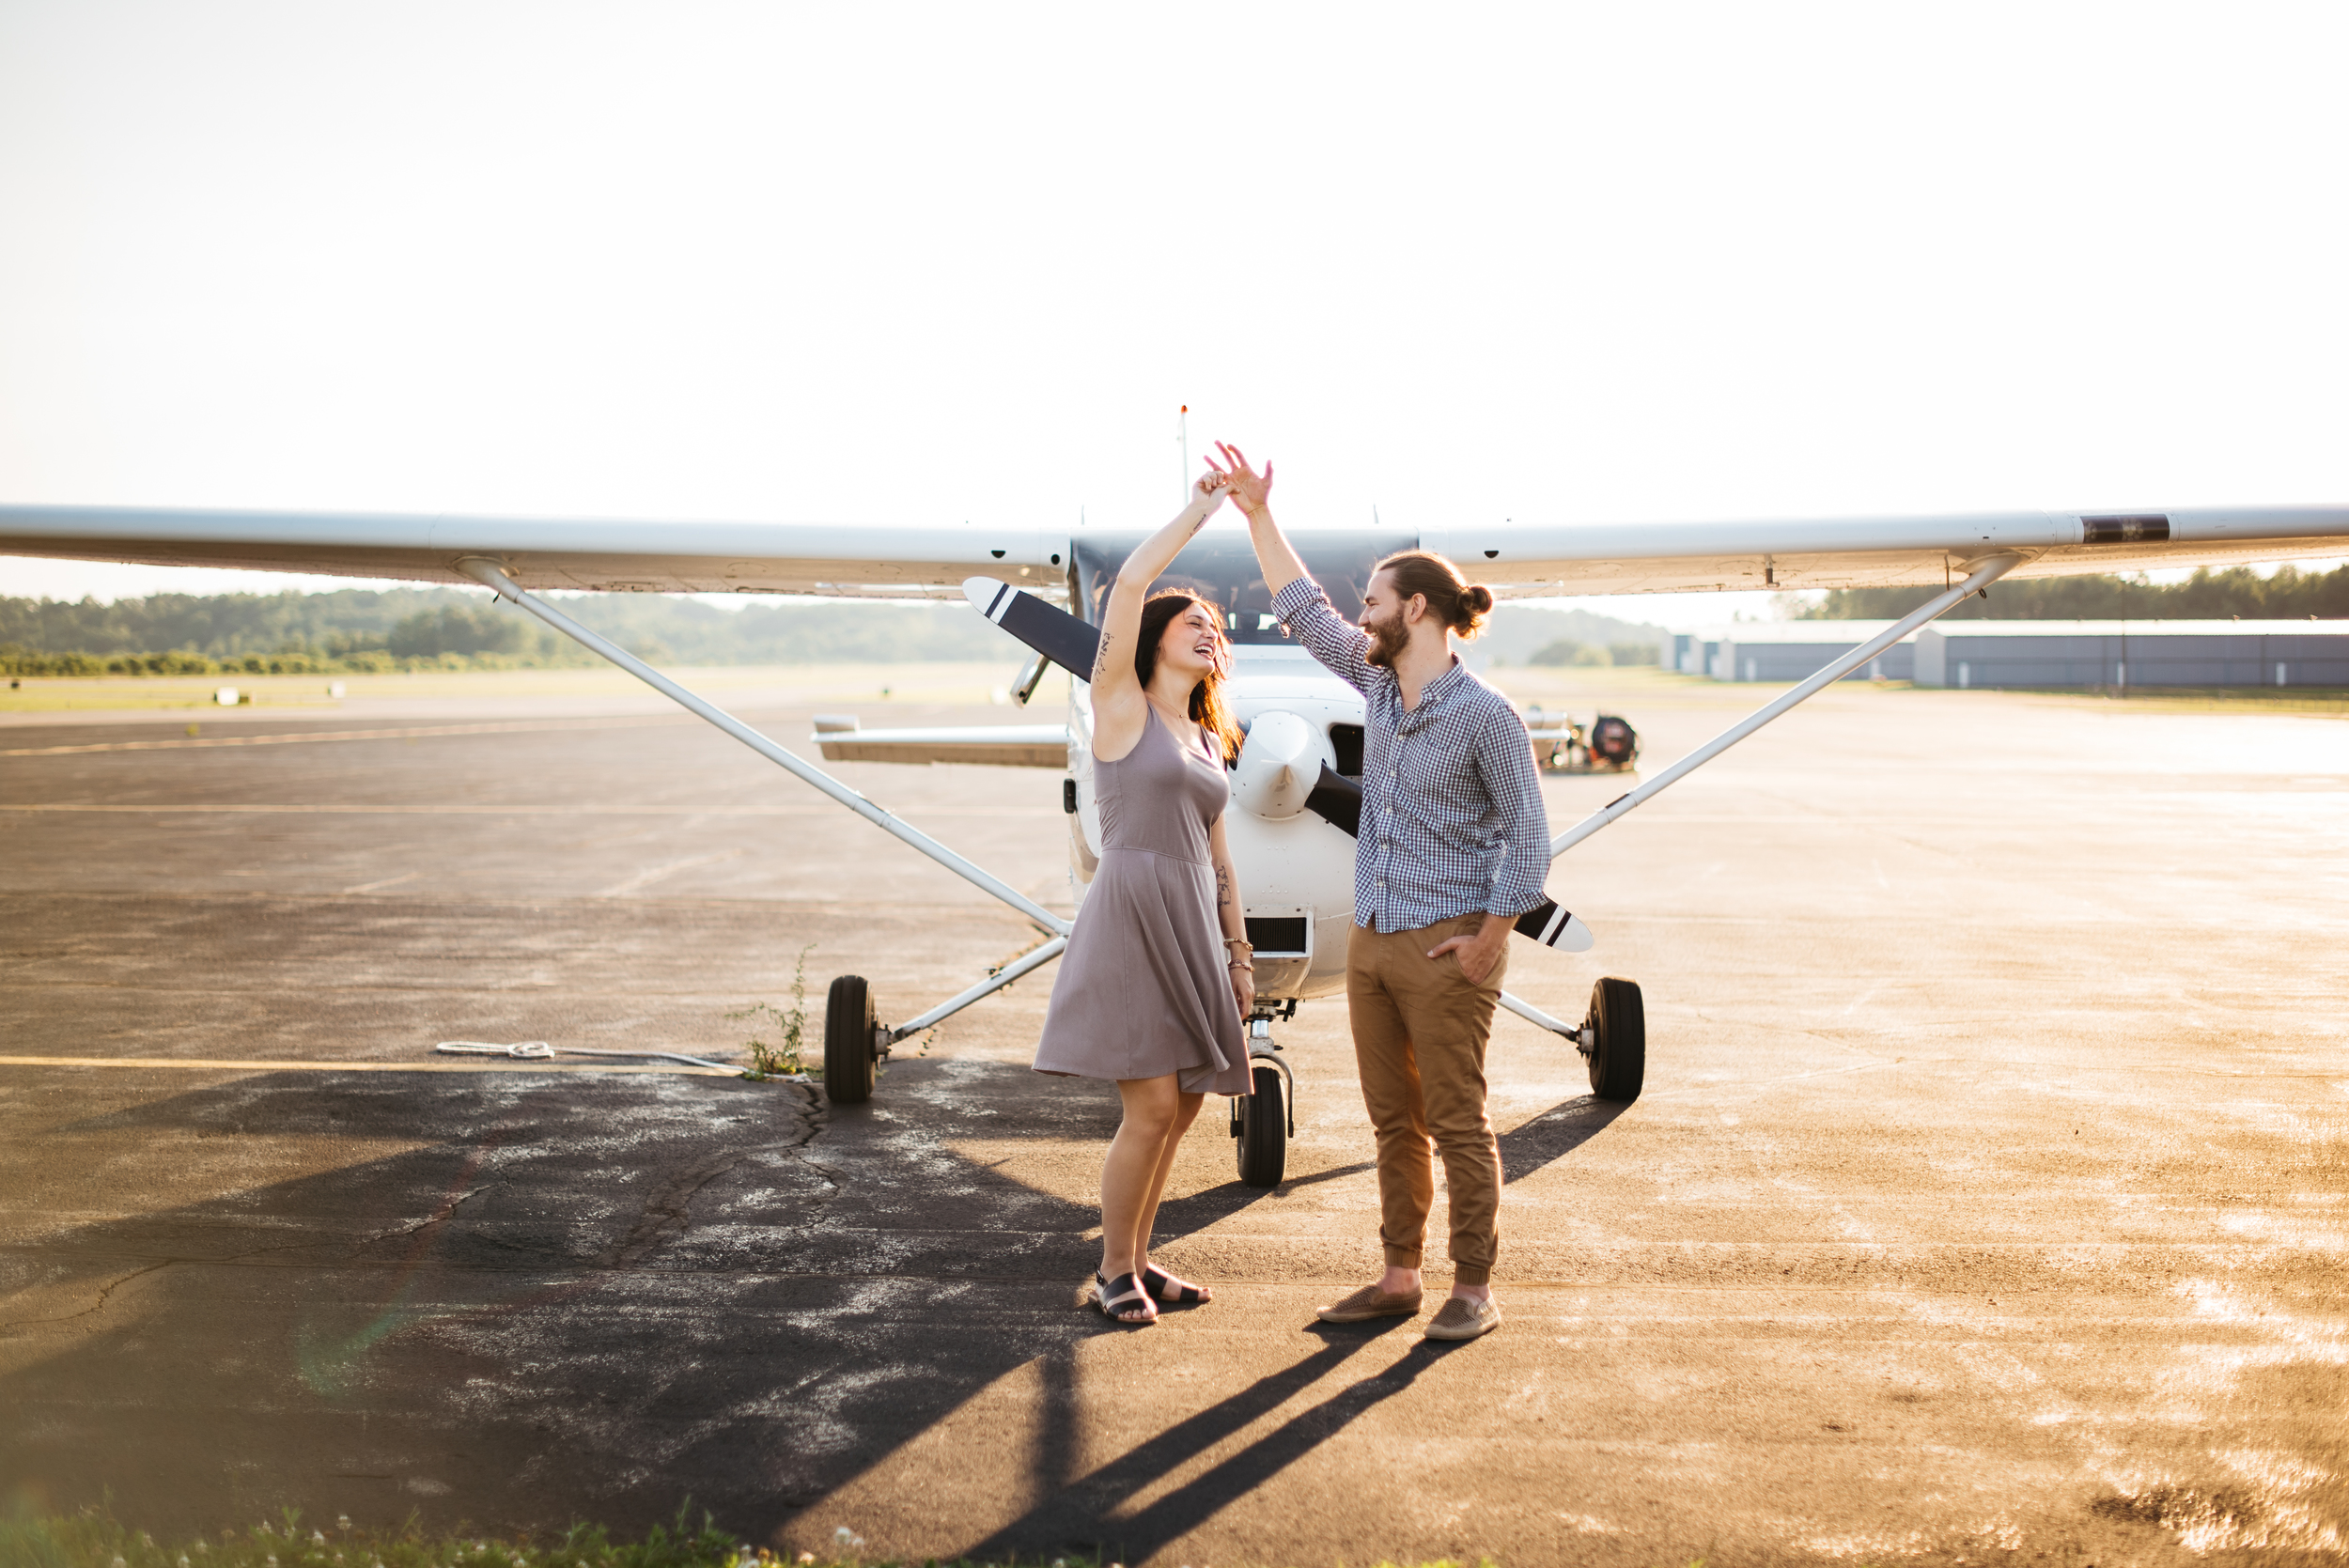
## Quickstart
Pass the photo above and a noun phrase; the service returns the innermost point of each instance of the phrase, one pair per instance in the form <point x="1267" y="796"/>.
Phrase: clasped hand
<point x="1236" y="482"/>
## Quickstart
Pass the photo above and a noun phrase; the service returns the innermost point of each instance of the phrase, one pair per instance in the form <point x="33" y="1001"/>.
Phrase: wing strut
<point x="986" y="988"/>
<point x="1985" y="571"/>
<point x="491" y="574"/>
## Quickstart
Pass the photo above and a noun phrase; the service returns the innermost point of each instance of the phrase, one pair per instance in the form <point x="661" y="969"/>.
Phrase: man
<point x="1454" y="847"/>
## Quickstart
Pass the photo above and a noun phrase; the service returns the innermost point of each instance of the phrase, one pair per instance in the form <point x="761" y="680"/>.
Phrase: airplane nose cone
<point x="1278" y="767"/>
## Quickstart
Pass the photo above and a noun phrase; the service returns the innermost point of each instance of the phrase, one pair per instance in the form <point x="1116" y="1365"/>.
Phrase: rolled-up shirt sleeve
<point x="1326" y="635"/>
<point x="1504" y="756"/>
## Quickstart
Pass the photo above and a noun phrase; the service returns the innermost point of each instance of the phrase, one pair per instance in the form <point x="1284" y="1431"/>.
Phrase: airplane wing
<point x="1523" y="560"/>
<point x="835" y="560"/>
<point x="997" y="745"/>
<point x="1517" y="559"/>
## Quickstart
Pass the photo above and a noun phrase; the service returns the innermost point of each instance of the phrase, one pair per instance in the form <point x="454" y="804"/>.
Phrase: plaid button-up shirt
<point x="1453" y="821"/>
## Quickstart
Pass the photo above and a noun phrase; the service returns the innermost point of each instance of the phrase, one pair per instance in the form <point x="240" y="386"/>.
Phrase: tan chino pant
<point x="1420" y="1029"/>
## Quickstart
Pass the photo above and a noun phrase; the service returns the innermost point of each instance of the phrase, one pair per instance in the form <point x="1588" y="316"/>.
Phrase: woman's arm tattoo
<point x="1222" y="886"/>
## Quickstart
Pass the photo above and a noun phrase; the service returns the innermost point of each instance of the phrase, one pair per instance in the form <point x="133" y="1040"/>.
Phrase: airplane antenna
<point x="1182" y="438"/>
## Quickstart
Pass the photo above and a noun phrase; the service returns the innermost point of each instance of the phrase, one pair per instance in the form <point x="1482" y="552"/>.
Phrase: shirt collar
<point x="1432" y="695"/>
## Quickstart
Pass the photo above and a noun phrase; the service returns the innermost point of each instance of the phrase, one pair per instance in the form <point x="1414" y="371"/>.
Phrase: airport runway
<point x="1987" y="1200"/>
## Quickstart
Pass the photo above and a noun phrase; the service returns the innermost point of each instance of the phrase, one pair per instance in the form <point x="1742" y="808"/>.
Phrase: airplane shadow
<point x="520" y="1299"/>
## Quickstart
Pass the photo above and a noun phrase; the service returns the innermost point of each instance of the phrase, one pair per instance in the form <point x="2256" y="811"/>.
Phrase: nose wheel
<point x="1262" y="1120"/>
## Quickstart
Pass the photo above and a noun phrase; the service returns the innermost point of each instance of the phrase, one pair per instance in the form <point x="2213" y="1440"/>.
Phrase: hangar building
<point x="2132" y="653"/>
<point x="1785" y="651"/>
<point x="2091" y="653"/>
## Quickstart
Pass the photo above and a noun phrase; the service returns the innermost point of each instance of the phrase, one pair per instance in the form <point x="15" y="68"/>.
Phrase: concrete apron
<point x="1987" y="1192"/>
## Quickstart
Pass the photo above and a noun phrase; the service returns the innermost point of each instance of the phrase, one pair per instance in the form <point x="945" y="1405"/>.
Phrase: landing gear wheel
<point x="1618" y="1025"/>
<point x="1264" y="1130"/>
<point x="848" y="1023"/>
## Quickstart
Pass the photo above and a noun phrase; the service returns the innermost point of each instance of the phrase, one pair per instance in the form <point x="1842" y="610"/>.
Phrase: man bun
<point x="1461" y="605"/>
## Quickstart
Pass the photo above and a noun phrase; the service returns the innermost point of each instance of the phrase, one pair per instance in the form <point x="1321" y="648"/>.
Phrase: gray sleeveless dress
<point x="1143" y="990"/>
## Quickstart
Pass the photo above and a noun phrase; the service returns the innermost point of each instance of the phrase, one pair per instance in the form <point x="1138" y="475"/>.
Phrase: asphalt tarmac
<point x="1987" y="1202"/>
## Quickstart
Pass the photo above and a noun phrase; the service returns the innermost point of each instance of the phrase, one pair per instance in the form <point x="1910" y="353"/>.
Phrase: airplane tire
<point x="1264" y="1132"/>
<point x="848" y="1021"/>
<point x="1618" y="1049"/>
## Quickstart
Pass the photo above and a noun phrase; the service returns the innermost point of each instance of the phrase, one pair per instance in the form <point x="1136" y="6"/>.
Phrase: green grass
<point x="2212" y="699"/>
<point x="94" y="1538"/>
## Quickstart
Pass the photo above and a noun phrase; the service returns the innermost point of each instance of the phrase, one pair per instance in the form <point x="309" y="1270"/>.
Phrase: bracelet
<point x="1245" y="968"/>
<point x="1241" y="941"/>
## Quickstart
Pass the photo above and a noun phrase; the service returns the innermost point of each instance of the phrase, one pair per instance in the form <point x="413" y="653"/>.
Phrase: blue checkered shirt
<point x="1453" y="821"/>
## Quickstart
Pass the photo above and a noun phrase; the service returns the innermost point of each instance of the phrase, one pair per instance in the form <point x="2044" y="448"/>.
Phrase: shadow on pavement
<point x="579" y="1297"/>
<point x="1554" y="1134"/>
<point x="1077" y="1516"/>
<point x="563" y="1296"/>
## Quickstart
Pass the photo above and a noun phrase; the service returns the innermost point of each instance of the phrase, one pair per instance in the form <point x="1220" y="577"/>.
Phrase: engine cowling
<point x="1278" y="764"/>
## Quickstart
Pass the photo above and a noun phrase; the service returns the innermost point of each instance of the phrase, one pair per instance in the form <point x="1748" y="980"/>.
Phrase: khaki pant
<point x="1419" y="1029"/>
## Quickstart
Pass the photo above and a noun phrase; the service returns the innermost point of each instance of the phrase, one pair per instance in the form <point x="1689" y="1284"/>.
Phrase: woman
<point x="1158" y="974"/>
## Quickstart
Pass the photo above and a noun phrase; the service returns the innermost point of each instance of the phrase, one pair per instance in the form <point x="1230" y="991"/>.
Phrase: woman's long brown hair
<point x="1207" y="698"/>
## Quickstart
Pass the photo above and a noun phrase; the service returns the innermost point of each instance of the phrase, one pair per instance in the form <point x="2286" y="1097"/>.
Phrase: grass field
<point x="95" y="1539"/>
<point x="307" y="695"/>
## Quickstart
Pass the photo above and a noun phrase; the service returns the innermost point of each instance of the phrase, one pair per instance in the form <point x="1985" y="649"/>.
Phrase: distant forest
<point x="399" y="628"/>
<point x="2289" y="595"/>
<point x="364" y="628"/>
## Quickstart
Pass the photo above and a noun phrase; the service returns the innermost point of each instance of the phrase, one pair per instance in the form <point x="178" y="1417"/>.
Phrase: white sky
<point x="897" y="264"/>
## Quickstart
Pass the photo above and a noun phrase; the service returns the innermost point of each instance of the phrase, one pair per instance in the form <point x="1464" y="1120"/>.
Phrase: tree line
<point x="364" y="628"/>
<point x="2236" y="593"/>
<point x="360" y="629"/>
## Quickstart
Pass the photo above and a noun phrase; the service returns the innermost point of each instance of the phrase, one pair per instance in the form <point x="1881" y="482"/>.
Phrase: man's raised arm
<point x="1296" y="599"/>
<point x="1253" y="494"/>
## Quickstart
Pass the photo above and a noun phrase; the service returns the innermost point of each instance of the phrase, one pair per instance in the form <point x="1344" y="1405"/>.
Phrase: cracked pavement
<point x="1988" y="1194"/>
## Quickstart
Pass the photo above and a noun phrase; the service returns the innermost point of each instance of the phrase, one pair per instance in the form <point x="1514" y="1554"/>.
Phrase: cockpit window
<point x="1222" y="569"/>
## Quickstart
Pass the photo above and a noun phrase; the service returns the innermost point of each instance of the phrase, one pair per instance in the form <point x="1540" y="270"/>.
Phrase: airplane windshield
<point x="1220" y="568"/>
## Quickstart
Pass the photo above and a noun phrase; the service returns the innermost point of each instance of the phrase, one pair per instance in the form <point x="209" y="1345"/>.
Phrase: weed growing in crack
<point x="784" y="1055"/>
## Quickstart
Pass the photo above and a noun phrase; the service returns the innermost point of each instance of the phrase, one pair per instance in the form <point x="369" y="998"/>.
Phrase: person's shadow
<point x="1083" y="1514"/>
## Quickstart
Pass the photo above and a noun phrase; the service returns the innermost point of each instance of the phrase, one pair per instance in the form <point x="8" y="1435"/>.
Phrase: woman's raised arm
<point x="1117" y="699"/>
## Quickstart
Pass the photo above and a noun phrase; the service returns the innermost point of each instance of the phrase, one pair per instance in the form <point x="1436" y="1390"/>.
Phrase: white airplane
<point x="1293" y="782"/>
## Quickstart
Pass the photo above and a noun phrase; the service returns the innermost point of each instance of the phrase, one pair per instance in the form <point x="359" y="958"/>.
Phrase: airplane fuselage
<point x="1295" y="868"/>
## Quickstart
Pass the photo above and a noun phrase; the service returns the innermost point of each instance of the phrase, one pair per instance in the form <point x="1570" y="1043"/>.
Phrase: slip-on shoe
<point x="1369" y="1302"/>
<point x="1462" y="1319"/>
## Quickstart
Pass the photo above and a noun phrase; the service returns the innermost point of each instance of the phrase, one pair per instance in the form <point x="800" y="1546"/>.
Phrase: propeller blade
<point x="1338" y="799"/>
<point x="1051" y="631"/>
<point x="1552" y="927"/>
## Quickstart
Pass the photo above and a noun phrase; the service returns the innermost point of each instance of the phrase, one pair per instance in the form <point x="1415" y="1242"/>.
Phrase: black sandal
<point x="1156" y="1280"/>
<point x="1115" y="1294"/>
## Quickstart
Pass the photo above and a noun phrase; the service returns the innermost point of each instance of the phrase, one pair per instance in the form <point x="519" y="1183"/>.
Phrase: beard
<point x="1388" y="639"/>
